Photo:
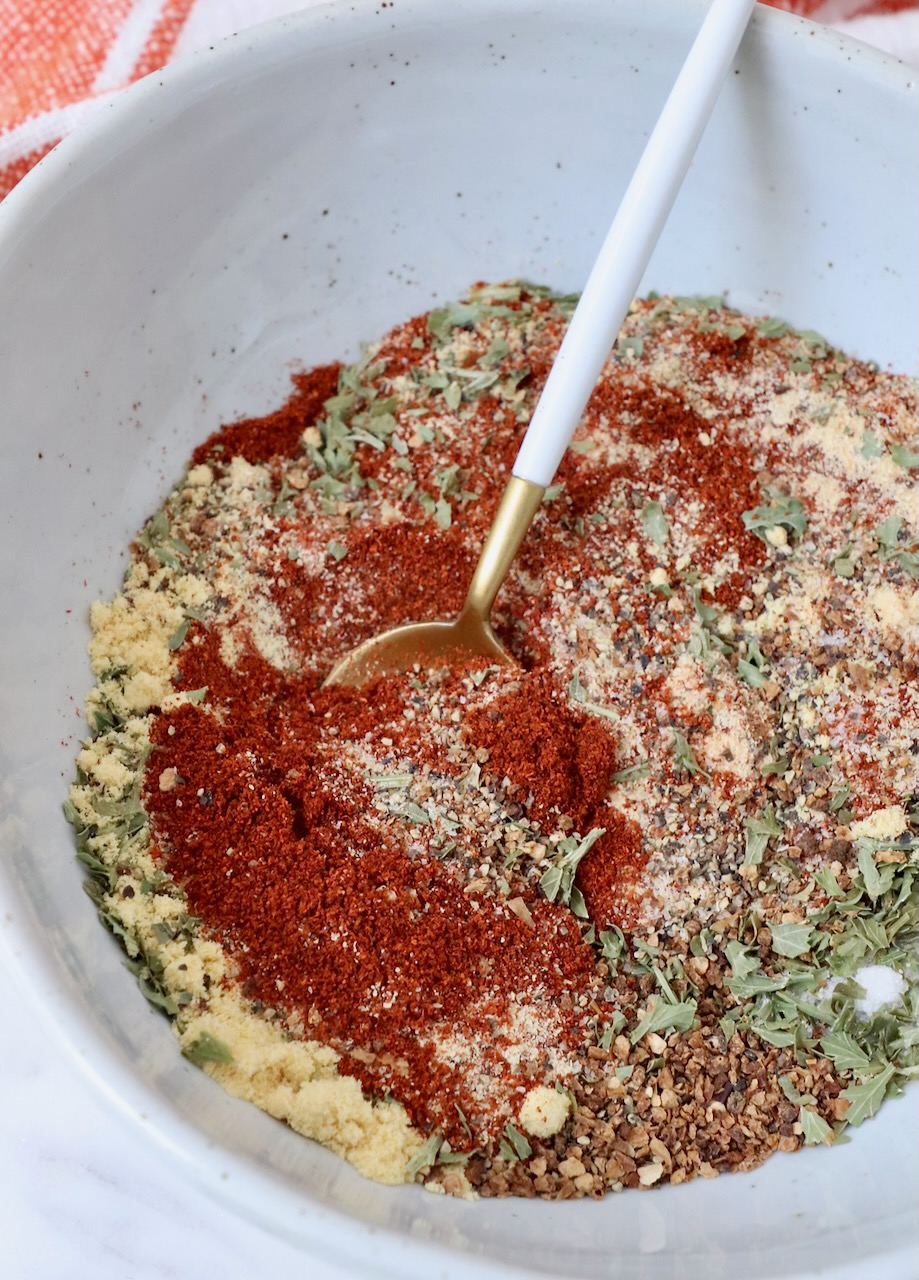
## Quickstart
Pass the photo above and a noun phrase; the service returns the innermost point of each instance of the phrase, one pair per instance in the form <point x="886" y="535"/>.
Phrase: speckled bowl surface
<point x="283" y="197"/>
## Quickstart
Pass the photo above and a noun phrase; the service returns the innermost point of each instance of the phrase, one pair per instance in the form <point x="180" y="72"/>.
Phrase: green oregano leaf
<point x="743" y="960"/>
<point x="518" y="1141"/>
<point x="455" y="315"/>
<point x="415" y="814"/>
<point x="845" y="1052"/>
<point x="755" y="984"/>
<point x="750" y="668"/>
<point x="759" y="831"/>
<point x="178" y="636"/>
<point x="871" y="446"/>
<point x="683" y="756"/>
<point x="877" y="880"/>
<point x="814" y="1127"/>
<point x="843" y="562"/>
<point x="888" y="532"/>
<point x="661" y="1015"/>
<point x="207" y="1048"/>
<point x="815" y="342"/>
<point x="425" y="1156"/>
<point x="557" y="883"/>
<point x="826" y="878"/>
<point x="654" y="522"/>
<point x="790" y="1090"/>
<point x="904" y="456"/>
<point x="791" y="940"/>
<point x="612" y="945"/>
<point x="782" y="509"/>
<point x="865" y="1098"/>
<point x="634" y="773"/>
<point x="888" y="535"/>
<point x="772" y="328"/>
<point x="839" y="798"/>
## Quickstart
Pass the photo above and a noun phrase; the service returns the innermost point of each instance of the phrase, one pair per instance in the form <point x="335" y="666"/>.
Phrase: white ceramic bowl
<point x="283" y="197"/>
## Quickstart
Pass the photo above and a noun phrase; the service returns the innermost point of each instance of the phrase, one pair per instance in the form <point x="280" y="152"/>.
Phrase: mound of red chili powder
<point x="565" y="916"/>
<point x="427" y="982"/>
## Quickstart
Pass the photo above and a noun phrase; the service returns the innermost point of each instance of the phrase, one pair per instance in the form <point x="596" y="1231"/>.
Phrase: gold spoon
<point x="594" y="325"/>
<point x="468" y="635"/>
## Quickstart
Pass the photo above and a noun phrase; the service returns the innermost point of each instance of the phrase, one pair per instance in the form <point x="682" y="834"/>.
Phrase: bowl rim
<point x="118" y="107"/>
<point x="384" y="1249"/>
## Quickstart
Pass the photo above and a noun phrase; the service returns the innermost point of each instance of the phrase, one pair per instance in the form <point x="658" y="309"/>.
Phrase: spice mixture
<point x="639" y="910"/>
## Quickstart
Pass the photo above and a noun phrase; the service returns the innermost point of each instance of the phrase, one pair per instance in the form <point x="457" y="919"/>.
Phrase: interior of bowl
<point x="279" y="201"/>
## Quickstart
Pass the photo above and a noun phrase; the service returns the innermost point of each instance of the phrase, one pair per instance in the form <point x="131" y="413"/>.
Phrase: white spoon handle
<point x="630" y="241"/>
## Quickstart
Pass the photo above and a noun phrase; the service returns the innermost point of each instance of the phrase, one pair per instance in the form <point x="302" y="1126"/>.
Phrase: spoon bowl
<point x="428" y="644"/>
<point x="469" y="635"/>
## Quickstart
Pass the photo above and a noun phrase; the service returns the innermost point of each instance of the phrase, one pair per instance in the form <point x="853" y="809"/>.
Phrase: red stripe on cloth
<point x="803" y="8"/>
<point x="51" y="52"/>
<point x="15" y="172"/>
<point x="884" y="6"/>
<point x="162" y="39"/>
<point x="834" y="10"/>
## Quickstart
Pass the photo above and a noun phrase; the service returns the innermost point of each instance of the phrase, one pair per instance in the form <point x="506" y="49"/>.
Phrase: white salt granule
<point x="883" y="986"/>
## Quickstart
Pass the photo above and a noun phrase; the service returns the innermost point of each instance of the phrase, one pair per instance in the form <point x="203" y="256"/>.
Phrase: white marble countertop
<point x="85" y="1194"/>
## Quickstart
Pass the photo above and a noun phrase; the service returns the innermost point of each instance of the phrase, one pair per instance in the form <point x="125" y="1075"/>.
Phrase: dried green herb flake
<point x="661" y="1015"/>
<point x="904" y="456"/>
<point x="415" y="814"/>
<point x="865" y="1098"/>
<point x="759" y="831"/>
<point x="207" y="1048"/>
<point x="772" y="328"/>
<point x="782" y="509"/>
<point x="683" y="756"/>
<point x="871" y="446"/>
<point x="518" y="1141"/>
<point x="814" y="1127"/>
<point x="557" y="883"/>
<point x="791" y="940"/>
<point x="425" y="1157"/>
<point x="630" y="347"/>
<point x="634" y="773"/>
<point x="743" y="960"/>
<point x="654" y="522"/>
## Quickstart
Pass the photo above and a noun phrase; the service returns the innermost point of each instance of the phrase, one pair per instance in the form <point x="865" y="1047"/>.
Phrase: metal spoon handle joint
<point x="519" y="504"/>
